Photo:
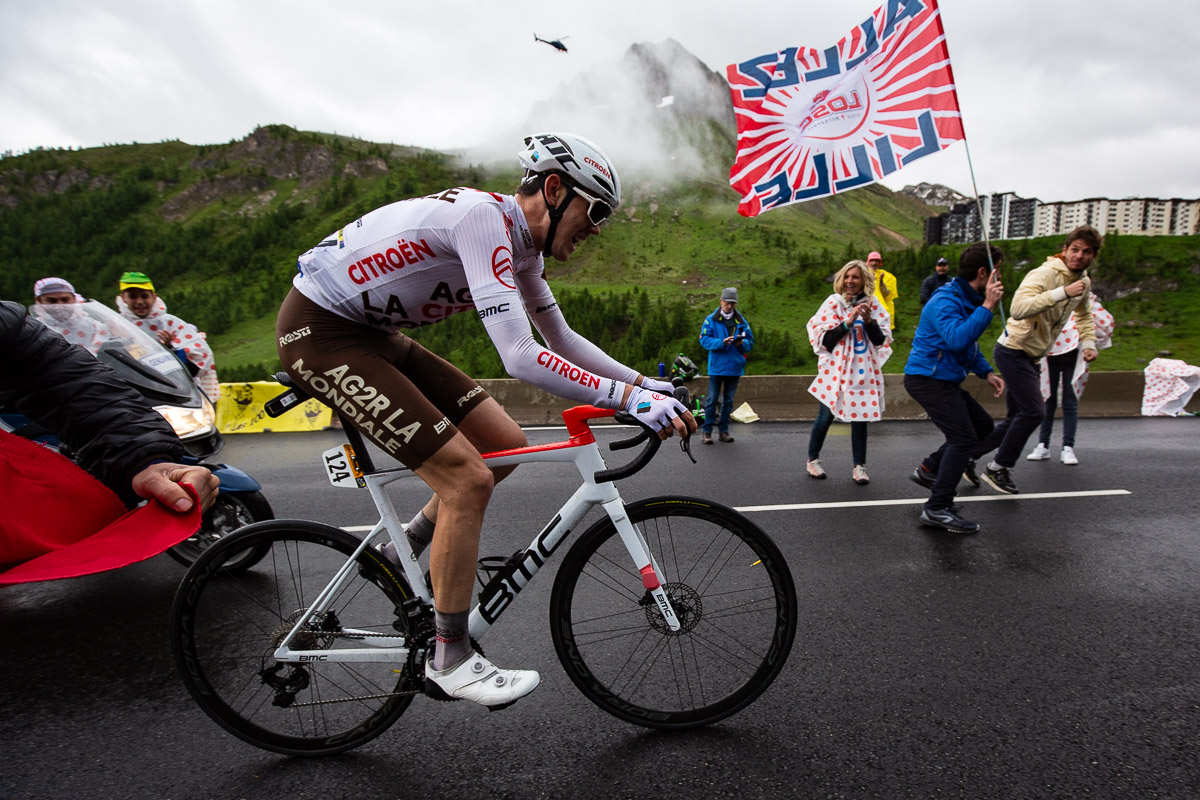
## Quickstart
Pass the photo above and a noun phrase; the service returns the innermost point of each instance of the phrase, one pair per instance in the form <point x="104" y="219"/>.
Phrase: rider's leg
<point x="459" y="477"/>
<point x="489" y="428"/>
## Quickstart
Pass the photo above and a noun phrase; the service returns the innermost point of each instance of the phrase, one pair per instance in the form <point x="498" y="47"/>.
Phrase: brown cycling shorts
<point x="402" y="397"/>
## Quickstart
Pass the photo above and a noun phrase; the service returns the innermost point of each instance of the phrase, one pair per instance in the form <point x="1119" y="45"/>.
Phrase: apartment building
<point x="1011" y="217"/>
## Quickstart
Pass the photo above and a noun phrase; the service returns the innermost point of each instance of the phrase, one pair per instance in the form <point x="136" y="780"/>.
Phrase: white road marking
<point x="913" y="501"/>
<point x="916" y="501"/>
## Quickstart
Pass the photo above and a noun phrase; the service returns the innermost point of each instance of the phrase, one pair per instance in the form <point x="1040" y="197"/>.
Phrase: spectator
<point x="54" y="291"/>
<point x="886" y="288"/>
<point x="945" y="349"/>
<point x="139" y="304"/>
<point x="849" y="334"/>
<point x="113" y="431"/>
<point x="939" y="278"/>
<point x="727" y="337"/>
<point x="59" y="307"/>
<point x="1046" y="298"/>
<point x="1064" y="363"/>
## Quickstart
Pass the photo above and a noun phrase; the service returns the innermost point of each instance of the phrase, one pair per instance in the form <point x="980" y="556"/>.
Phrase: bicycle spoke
<point x="236" y="622"/>
<point x="732" y="597"/>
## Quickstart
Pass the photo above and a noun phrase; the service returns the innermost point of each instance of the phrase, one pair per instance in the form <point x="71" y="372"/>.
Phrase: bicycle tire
<point x="230" y="512"/>
<point x="728" y="583"/>
<point x="226" y="625"/>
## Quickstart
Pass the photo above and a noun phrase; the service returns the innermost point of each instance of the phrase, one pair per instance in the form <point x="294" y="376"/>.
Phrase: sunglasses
<point x="55" y="300"/>
<point x="598" y="211"/>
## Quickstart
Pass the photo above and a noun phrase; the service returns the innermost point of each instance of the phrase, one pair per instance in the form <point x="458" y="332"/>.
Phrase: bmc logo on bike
<point x="517" y="573"/>
<point x="313" y="658"/>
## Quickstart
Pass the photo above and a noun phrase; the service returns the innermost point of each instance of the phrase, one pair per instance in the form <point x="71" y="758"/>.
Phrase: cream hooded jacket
<point x="1041" y="308"/>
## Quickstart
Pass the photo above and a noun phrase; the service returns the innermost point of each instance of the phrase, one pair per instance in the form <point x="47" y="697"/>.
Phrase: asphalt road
<point x="1054" y="654"/>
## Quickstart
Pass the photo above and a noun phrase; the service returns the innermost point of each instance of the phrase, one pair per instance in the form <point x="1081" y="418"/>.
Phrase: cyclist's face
<point x="140" y="301"/>
<point x="573" y="228"/>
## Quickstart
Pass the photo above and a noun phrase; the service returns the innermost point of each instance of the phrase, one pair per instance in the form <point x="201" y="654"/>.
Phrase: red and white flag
<point x="812" y="123"/>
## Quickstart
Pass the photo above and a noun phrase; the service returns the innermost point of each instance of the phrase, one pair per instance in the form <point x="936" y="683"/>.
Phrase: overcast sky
<point x="1061" y="99"/>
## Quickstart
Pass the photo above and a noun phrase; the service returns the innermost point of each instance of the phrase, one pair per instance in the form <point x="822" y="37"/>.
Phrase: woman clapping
<point x="851" y="335"/>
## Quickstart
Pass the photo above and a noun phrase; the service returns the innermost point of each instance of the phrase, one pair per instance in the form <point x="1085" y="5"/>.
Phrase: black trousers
<point x="1026" y="408"/>
<point x="968" y="429"/>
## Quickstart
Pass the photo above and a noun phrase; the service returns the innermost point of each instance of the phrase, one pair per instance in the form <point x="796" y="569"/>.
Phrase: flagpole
<point x="971" y="166"/>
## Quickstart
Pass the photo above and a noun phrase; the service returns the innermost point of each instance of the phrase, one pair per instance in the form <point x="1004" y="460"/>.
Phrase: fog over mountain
<point x="658" y="112"/>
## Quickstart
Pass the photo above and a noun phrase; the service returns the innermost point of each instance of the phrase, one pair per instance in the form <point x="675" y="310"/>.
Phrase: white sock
<point x="420" y="533"/>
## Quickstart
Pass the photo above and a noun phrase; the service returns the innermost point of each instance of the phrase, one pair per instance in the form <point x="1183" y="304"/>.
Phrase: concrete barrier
<point x="785" y="398"/>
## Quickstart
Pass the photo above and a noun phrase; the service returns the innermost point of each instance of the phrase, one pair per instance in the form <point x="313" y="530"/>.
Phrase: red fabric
<point x="57" y="521"/>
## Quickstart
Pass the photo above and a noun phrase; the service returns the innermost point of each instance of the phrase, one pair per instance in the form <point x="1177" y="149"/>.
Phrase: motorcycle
<point x="166" y="379"/>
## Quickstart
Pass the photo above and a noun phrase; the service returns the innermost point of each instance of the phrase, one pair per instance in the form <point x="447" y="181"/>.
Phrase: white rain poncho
<point x="1170" y="384"/>
<point x="187" y="337"/>
<point x="850" y="379"/>
<point x="1068" y="340"/>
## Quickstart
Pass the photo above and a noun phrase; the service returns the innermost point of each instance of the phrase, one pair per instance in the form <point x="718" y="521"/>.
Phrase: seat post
<point x="365" y="463"/>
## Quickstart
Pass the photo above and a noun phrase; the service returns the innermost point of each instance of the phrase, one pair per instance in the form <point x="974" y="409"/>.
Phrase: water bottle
<point x="662" y="369"/>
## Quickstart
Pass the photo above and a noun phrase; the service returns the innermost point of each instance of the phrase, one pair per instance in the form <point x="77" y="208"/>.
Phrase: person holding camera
<point x="727" y="337"/>
<point x="851" y="334"/>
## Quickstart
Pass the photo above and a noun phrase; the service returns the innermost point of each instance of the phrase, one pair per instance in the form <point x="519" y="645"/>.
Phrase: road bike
<point x="671" y="612"/>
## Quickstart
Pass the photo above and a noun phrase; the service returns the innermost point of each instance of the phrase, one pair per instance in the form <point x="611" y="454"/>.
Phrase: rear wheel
<point x="227" y="623"/>
<point x="728" y="584"/>
<point x="231" y="511"/>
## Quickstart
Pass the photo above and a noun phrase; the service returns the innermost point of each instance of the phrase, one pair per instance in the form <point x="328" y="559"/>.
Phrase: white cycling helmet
<point x="583" y="163"/>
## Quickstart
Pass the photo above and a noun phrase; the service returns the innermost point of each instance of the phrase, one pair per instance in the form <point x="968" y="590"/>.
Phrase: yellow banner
<point x="240" y="410"/>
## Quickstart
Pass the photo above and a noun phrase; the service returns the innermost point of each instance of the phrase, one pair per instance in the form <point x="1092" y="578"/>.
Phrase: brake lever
<point x="681" y="394"/>
<point x="685" y="444"/>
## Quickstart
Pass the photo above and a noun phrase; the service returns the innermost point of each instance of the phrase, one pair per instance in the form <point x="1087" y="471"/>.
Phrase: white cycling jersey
<point x="417" y="262"/>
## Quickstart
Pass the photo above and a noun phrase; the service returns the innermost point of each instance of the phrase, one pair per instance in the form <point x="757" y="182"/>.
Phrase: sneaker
<point x="815" y="469"/>
<point x="707" y="438"/>
<point x="725" y="437"/>
<point x="947" y="519"/>
<point x="970" y="475"/>
<point x="1040" y="453"/>
<point x="1000" y="480"/>
<point x="1068" y="456"/>
<point x="860" y="475"/>
<point x="921" y="476"/>
<point x="480" y="681"/>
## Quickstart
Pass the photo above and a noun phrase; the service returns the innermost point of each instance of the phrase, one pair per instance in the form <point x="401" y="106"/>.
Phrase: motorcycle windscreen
<point x="157" y="373"/>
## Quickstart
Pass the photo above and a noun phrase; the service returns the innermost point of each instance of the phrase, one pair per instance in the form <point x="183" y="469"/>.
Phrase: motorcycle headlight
<point x="190" y="422"/>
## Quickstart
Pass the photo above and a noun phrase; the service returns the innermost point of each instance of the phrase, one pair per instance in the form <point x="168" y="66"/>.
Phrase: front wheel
<point x="729" y="586"/>
<point x="231" y="511"/>
<point x="226" y="625"/>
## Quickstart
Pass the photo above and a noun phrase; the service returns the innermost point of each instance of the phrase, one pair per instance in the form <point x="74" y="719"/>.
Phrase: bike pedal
<point x="435" y="692"/>
<point x="500" y="707"/>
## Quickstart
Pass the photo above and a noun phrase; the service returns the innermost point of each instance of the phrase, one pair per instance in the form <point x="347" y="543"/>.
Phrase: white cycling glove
<point x="662" y="387"/>
<point x="653" y="408"/>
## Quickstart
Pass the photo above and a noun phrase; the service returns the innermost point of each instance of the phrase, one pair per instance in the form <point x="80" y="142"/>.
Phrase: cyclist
<point x="414" y="263"/>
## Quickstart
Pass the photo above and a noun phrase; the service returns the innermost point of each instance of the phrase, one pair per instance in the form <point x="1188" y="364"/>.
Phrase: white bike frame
<point x="498" y="594"/>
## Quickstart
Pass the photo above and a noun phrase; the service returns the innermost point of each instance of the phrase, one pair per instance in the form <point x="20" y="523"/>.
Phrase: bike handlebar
<point x="647" y="434"/>
<point x="294" y="395"/>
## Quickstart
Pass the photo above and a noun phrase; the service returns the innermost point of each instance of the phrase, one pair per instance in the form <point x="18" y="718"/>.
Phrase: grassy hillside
<point x="219" y="227"/>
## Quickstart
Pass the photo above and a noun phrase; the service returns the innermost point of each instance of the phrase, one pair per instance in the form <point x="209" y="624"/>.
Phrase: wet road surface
<point x="1054" y="654"/>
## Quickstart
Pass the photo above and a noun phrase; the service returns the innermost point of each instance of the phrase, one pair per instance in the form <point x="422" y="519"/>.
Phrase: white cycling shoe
<point x="480" y="681"/>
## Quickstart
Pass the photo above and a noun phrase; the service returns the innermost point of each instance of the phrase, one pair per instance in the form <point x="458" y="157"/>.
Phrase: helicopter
<point x="555" y="43"/>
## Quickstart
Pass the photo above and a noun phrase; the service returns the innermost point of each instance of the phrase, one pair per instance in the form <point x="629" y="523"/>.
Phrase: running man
<point x="945" y="350"/>
<point x="414" y="263"/>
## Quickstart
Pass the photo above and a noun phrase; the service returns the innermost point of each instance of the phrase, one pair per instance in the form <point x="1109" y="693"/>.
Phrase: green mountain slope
<point x="219" y="228"/>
